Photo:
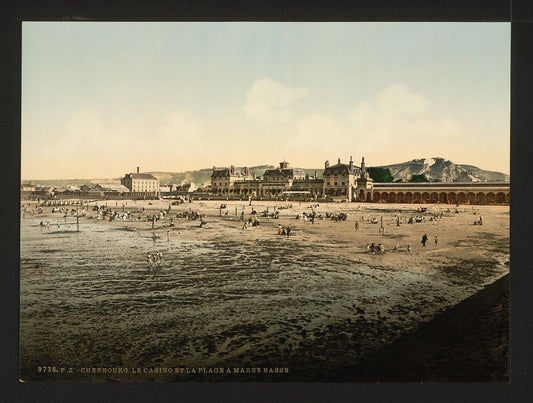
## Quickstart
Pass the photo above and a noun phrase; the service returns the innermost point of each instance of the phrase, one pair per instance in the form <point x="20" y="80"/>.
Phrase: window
<point x="335" y="183"/>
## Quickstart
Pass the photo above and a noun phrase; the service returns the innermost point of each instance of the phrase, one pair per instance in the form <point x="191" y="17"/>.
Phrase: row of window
<point x="334" y="183"/>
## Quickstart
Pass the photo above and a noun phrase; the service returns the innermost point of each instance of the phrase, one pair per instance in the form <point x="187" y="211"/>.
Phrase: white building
<point x="141" y="183"/>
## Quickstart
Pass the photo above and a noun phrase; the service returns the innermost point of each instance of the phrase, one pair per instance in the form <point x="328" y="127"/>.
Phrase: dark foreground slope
<point x="468" y="343"/>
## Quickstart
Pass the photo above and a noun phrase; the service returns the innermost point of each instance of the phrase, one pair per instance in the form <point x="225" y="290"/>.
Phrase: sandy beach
<point x="315" y="302"/>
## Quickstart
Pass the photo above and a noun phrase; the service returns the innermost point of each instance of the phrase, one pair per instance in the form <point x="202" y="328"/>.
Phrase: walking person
<point x="436" y="239"/>
<point x="424" y="239"/>
<point x="356" y="226"/>
<point x="288" y="231"/>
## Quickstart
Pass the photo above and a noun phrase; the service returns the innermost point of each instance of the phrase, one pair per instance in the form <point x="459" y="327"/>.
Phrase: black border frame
<point x="518" y="12"/>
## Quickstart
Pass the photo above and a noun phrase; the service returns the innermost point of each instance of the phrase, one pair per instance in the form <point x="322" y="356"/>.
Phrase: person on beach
<point x="279" y="229"/>
<point x="436" y="239"/>
<point x="356" y="226"/>
<point x="372" y="248"/>
<point x="408" y="247"/>
<point x="424" y="239"/>
<point x="283" y="232"/>
<point x="288" y="231"/>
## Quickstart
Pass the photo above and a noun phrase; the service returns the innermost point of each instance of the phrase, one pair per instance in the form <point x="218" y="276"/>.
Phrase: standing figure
<point x="424" y="239"/>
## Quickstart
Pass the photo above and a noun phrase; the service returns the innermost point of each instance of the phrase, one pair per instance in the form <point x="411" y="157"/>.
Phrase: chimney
<point x="326" y="164"/>
<point x="339" y="161"/>
<point x="351" y="163"/>
<point x="316" y="174"/>
<point x="137" y="169"/>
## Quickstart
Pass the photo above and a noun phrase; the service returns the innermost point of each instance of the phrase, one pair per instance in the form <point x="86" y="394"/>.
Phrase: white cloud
<point x="397" y="100"/>
<point x="178" y="128"/>
<point x="315" y="138"/>
<point x="401" y="118"/>
<point x="268" y="100"/>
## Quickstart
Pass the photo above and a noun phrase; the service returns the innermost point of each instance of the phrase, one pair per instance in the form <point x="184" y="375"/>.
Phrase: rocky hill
<point x="443" y="170"/>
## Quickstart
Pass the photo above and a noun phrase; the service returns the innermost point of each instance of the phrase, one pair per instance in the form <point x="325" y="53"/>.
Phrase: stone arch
<point x="434" y="197"/>
<point x="471" y="197"/>
<point x="425" y="197"/>
<point x="500" y="197"/>
<point x="400" y="197"/>
<point x="452" y="197"/>
<point x="481" y="198"/>
<point x="362" y="195"/>
<point x="491" y="198"/>
<point x="377" y="196"/>
<point x="417" y="197"/>
<point x="392" y="197"/>
<point x="384" y="197"/>
<point x="443" y="197"/>
<point x="408" y="197"/>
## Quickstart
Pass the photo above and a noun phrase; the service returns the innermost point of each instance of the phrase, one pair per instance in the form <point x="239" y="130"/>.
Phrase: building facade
<point x="345" y="180"/>
<point x="223" y="180"/>
<point x="141" y="184"/>
<point x="341" y="181"/>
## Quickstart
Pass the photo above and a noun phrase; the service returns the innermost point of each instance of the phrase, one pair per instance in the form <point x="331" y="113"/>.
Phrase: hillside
<point x="439" y="169"/>
<point x="435" y="169"/>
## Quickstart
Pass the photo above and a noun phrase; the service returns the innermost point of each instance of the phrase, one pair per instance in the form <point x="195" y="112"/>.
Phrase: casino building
<point x="348" y="182"/>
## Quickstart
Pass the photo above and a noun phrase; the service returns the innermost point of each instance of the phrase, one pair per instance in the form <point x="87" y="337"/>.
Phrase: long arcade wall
<point x="451" y="193"/>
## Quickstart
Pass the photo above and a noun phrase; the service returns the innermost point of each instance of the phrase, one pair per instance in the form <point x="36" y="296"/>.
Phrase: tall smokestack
<point x="137" y="169"/>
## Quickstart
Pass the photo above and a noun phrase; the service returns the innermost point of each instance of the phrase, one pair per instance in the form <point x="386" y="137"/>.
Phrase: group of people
<point x="375" y="249"/>
<point x="283" y="230"/>
<point x="154" y="260"/>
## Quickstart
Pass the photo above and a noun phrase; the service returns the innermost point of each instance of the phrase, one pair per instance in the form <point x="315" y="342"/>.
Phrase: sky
<point x="101" y="98"/>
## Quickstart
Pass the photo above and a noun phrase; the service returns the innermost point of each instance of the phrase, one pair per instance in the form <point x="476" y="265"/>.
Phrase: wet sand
<point x="315" y="302"/>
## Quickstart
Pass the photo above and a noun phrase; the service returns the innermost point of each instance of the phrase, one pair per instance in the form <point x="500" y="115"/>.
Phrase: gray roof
<point x="241" y="172"/>
<point x="339" y="169"/>
<point x="142" y="176"/>
<point x="286" y="172"/>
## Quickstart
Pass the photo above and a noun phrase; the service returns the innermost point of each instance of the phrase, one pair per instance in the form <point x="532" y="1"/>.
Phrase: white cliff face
<point x="443" y="170"/>
<point x="429" y="162"/>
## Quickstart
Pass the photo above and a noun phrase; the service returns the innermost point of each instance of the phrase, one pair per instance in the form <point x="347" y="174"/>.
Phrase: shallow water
<point x="88" y="300"/>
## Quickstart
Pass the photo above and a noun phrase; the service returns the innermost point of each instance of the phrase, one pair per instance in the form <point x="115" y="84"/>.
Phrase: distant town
<point x="344" y="182"/>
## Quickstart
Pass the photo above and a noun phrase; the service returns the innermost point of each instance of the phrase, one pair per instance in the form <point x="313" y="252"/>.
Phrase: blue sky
<point x="99" y="99"/>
